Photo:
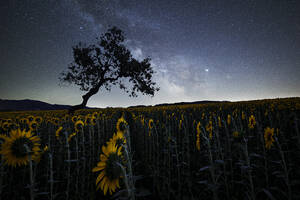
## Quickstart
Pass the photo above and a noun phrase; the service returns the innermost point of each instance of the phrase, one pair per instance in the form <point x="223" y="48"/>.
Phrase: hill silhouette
<point x="28" y="104"/>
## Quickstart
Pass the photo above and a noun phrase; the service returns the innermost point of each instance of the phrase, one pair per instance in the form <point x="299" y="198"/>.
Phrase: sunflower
<point x="24" y="121"/>
<point x="93" y="121"/>
<point x="5" y="126"/>
<point x="38" y="119"/>
<point x="30" y="118"/>
<point x="58" y="131"/>
<point x="119" y="139"/>
<point x="243" y="115"/>
<point x="78" y="125"/>
<point x="269" y="133"/>
<point x="252" y="122"/>
<point x="143" y="120"/>
<point x="87" y="120"/>
<point x="121" y="124"/>
<point x="228" y="119"/>
<point x="33" y="125"/>
<point x="111" y="171"/>
<point x="55" y="121"/>
<point x="70" y="136"/>
<point x="236" y="134"/>
<point x="14" y="151"/>
<point x="150" y="125"/>
<point x="219" y="122"/>
<point x="74" y="119"/>
<point x="180" y="124"/>
<point x="209" y="129"/>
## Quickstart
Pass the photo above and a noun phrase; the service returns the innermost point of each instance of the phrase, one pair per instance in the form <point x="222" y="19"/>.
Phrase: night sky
<point x="201" y="50"/>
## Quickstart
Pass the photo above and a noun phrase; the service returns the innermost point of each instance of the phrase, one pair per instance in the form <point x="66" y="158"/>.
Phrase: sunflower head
<point x="38" y="119"/>
<point x="88" y="120"/>
<point x="121" y="124"/>
<point x="119" y="139"/>
<point x="268" y="136"/>
<point x="219" y="122"/>
<point x="14" y="149"/>
<point x="150" y="123"/>
<point x="93" y="121"/>
<point x="236" y="134"/>
<point x="55" y="121"/>
<point x="5" y="126"/>
<point x="110" y="167"/>
<point x="58" y="131"/>
<point x="252" y="122"/>
<point x="74" y="119"/>
<point x="78" y="125"/>
<point x="243" y="115"/>
<point x="228" y="119"/>
<point x="180" y="124"/>
<point x="33" y="125"/>
<point x="30" y="118"/>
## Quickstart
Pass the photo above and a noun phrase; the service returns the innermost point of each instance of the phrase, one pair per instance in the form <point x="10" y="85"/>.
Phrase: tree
<point x="107" y="63"/>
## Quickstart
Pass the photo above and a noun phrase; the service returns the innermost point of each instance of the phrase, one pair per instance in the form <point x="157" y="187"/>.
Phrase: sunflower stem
<point x="30" y="173"/>
<point x="51" y="175"/>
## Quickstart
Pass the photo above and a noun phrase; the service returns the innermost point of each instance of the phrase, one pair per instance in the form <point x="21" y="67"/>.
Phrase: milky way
<point x="200" y="50"/>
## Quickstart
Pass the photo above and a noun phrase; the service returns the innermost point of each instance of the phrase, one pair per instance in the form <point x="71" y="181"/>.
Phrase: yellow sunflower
<point x="111" y="171"/>
<point x="24" y="120"/>
<point x="269" y="133"/>
<point x="219" y="122"/>
<point x="252" y="122"/>
<point x="33" y="125"/>
<point x="78" y="125"/>
<point x="243" y="115"/>
<point x="5" y="126"/>
<point x="70" y="136"/>
<point x="236" y="134"/>
<point x="55" y="121"/>
<point x="93" y="121"/>
<point x="58" y="131"/>
<point x="180" y="124"/>
<point x="121" y="124"/>
<point x="119" y="139"/>
<point x="38" y="119"/>
<point x="30" y="118"/>
<point x="74" y="119"/>
<point x="209" y="129"/>
<point x="150" y="125"/>
<point x="88" y="120"/>
<point x="228" y="119"/>
<point x="13" y="149"/>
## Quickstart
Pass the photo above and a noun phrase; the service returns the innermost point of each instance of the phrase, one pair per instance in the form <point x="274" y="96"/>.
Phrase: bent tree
<point x="107" y="63"/>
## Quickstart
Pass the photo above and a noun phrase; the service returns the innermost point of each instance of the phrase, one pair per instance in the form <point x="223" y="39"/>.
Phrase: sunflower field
<point x="233" y="151"/>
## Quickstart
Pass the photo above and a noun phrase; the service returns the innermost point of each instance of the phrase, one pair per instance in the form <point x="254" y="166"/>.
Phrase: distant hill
<point x="181" y="103"/>
<point x="27" y="104"/>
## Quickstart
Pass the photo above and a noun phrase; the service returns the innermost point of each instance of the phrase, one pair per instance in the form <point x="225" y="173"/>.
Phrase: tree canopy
<point x="107" y="63"/>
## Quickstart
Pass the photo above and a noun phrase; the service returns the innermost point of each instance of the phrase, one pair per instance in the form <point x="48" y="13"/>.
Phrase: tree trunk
<point x="85" y="99"/>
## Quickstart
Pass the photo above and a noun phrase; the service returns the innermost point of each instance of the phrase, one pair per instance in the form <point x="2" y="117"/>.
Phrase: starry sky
<point x="200" y="49"/>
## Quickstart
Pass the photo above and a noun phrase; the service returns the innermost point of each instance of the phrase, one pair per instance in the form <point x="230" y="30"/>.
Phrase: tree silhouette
<point x="107" y="63"/>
